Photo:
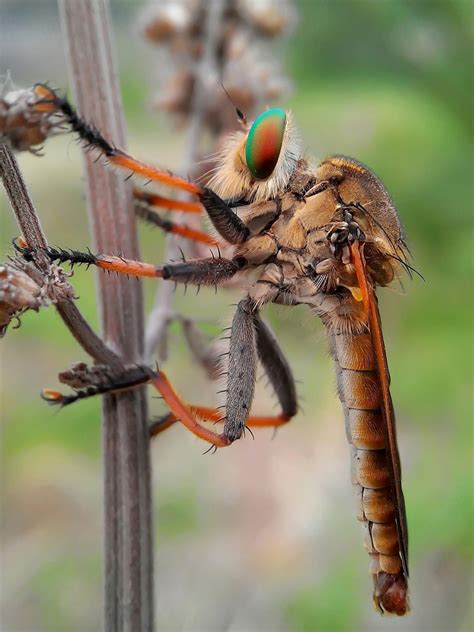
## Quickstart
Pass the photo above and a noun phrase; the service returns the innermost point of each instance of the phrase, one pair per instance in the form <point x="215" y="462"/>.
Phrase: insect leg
<point x="150" y="215"/>
<point x="168" y="419"/>
<point x="152" y="199"/>
<point x="281" y="378"/>
<point x="214" y="415"/>
<point x="133" y="377"/>
<point x="182" y="411"/>
<point x="241" y="377"/>
<point x="242" y="368"/>
<point x="209" y="271"/>
<point x="278" y="370"/>
<point x="116" y="156"/>
<point x="100" y="383"/>
<point x="146" y="205"/>
<point x="224" y="219"/>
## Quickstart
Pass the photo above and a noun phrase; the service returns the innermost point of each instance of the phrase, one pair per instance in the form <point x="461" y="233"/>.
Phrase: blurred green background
<point x="263" y="536"/>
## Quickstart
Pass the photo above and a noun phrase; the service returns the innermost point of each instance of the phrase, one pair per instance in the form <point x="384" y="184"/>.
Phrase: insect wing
<point x="378" y="345"/>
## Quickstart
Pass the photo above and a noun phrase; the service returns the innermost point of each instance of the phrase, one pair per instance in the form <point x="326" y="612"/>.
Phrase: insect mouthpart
<point x="264" y="142"/>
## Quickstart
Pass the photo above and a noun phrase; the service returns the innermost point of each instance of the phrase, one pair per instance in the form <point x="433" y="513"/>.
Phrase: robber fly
<point x="323" y="236"/>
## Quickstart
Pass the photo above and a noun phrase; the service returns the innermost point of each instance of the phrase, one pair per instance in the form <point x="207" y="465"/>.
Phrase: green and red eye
<point x="264" y="142"/>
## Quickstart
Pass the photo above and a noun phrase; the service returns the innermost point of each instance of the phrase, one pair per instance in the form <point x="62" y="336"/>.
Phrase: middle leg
<point x="276" y="367"/>
<point x="210" y="271"/>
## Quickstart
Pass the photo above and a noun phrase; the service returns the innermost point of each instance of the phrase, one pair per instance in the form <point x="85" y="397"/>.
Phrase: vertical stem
<point x="127" y="490"/>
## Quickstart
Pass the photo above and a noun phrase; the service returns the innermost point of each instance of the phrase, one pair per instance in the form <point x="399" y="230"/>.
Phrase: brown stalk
<point x="127" y="490"/>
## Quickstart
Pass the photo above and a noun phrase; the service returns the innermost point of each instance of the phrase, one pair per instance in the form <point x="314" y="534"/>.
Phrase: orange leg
<point x="151" y="199"/>
<point x="224" y="219"/>
<point x="125" y="161"/>
<point x="183" y="412"/>
<point x="116" y="156"/>
<point x="150" y="215"/>
<point x="187" y="414"/>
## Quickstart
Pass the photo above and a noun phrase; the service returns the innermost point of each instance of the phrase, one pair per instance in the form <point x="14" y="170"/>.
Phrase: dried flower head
<point x="21" y="288"/>
<point x="28" y="117"/>
<point x="243" y="60"/>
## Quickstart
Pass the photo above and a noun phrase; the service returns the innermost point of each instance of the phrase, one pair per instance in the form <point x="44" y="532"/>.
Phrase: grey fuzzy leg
<point x="276" y="367"/>
<point x="242" y="369"/>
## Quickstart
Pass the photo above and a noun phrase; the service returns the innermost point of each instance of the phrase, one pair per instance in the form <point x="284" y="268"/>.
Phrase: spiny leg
<point x="225" y="221"/>
<point x="250" y="336"/>
<point x="238" y="405"/>
<point x="182" y="411"/>
<point x="214" y="415"/>
<point x="241" y="374"/>
<point x="146" y="208"/>
<point x="281" y="378"/>
<point x="152" y="199"/>
<point x="116" y="156"/>
<point x="132" y="377"/>
<point x="151" y="216"/>
<point x="101" y="383"/>
<point x="277" y="368"/>
<point x="210" y="271"/>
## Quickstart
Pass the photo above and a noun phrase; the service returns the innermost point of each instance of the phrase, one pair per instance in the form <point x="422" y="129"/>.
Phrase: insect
<point x="323" y="236"/>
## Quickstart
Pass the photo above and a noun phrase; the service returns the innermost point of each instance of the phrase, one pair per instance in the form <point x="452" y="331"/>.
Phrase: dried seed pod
<point x="269" y="17"/>
<point x="21" y="288"/>
<point x="161" y="22"/>
<point x="242" y="61"/>
<point x="28" y="117"/>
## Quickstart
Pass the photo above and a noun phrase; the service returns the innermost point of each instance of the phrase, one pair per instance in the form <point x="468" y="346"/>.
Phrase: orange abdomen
<point x="361" y="397"/>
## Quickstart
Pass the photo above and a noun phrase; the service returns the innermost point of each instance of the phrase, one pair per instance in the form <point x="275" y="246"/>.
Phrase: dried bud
<point x="272" y="18"/>
<point x="161" y="22"/>
<point x="242" y="60"/>
<point x="176" y="96"/>
<point x="21" y="288"/>
<point x="28" y="117"/>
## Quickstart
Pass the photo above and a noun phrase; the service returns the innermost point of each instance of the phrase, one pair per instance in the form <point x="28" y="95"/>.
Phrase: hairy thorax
<point x="297" y="235"/>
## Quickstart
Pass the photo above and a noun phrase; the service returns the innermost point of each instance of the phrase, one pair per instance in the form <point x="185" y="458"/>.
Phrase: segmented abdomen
<point x="361" y="396"/>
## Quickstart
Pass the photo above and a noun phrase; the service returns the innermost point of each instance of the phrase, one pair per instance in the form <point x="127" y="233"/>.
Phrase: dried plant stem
<point x="128" y="514"/>
<point x="30" y="226"/>
<point x="22" y="206"/>
<point x="207" y="73"/>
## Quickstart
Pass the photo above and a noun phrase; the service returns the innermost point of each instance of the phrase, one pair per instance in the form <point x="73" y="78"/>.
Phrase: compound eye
<point x="264" y="142"/>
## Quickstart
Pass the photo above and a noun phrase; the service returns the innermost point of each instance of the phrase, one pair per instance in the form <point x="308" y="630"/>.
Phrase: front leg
<point x="227" y="223"/>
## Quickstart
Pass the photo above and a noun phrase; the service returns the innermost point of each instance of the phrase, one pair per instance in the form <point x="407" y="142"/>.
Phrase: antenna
<point x="239" y="112"/>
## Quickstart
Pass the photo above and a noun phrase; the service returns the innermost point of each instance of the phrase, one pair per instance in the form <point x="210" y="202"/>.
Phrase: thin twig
<point x="128" y="513"/>
<point x="22" y="206"/>
<point x="31" y="229"/>
<point x="206" y="73"/>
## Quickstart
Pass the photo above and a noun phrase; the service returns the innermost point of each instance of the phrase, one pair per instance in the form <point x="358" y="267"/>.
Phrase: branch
<point x="128" y="523"/>
<point x="31" y="229"/>
<point x="162" y="313"/>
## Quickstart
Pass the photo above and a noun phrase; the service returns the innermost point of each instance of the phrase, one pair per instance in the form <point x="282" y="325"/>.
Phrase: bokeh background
<point x="262" y="536"/>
